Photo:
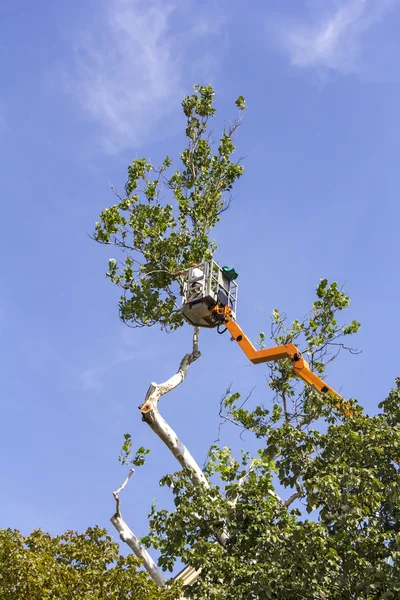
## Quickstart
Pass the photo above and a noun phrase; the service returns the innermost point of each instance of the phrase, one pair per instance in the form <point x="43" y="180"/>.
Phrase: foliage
<point x="163" y="222"/>
<point x="314" y="514"/>
<point x="125" y="457"/>
<point x="70" y="566"/>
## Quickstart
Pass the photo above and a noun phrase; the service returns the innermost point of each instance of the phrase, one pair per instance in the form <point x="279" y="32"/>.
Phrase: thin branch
<point x="292" y="498"/>
<point x="221" y="408"/>
<point x="226" y="418"/>
<point x="249" y="395"/>
<point x="131" y="472"/>
<point x="115" y="192"/>
<point x="351" y="350"/>
<point x="127" y="536"/>
<point x="285" y="410"/>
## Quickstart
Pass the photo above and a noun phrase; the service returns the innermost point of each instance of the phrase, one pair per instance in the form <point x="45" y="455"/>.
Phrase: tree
<point x="313" y="513"/>
<point x="72" y="566"/>
<point x="158" y="238"/>
<point x="158" y="241"/>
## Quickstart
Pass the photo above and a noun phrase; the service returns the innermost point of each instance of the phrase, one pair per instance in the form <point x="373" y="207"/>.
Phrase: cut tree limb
<point x="152" y="416"/>
<point x="156" y="390"/>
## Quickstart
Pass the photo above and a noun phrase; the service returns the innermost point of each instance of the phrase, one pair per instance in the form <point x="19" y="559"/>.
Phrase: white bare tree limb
<point x="240" y="483"/>
<point x="299" y="493"/>
<point x="121" y="487"/>
<point x="129" y="538"/>
<point x="156" y="390"/>
<point x="152" y="416"/>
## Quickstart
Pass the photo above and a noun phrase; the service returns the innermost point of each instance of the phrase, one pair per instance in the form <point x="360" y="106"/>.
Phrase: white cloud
<point x="332" y="39"/>
<point x="130" y="67"/>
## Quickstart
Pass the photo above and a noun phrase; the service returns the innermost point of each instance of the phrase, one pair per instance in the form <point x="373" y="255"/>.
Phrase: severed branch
<point x="129" y="537"/>
<point x="156" y="390"/>
<point x="152" y="416"/>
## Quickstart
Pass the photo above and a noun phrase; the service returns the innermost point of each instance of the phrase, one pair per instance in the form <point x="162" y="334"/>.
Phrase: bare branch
<point x="115" y="192"/>
<point x="227" y="418"/>
<point x="292" y="498"/>
<point x="152" y="416"/>
<point x="274" y="495"/>
<point x="127" y="536"/>
<point x="131" y="472"/>
<point x="285" y="409"/>
<point x="156" y="390"/>
<point x="167" y="435"/>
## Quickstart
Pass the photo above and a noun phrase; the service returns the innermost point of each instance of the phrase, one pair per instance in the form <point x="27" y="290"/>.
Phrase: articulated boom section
<point x="222" y="314"/>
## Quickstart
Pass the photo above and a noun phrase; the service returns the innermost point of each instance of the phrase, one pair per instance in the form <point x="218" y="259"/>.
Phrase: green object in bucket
<point x="230" y="273"/>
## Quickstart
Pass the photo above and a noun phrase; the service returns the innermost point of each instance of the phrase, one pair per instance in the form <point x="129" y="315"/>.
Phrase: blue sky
<point x="87" y="87"/>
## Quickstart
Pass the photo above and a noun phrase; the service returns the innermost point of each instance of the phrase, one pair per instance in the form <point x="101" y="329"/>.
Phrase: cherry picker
<point x="209" y="299"/>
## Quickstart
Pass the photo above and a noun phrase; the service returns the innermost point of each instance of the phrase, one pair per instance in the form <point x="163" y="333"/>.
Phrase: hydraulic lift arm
<point x="222" y="314"/>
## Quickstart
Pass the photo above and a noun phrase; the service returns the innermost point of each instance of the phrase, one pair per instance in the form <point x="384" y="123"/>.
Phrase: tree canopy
<point x="70" y="566"/>
<point x="163" y="222"/>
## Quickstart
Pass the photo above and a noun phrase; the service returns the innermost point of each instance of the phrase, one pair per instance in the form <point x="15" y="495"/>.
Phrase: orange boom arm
<point x="300" y="366"/>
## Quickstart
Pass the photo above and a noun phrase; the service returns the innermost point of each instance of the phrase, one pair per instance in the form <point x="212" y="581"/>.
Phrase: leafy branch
<point x="164" y="222"/>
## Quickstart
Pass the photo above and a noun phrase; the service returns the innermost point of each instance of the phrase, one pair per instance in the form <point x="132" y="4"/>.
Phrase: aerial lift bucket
<point x="209" y="298"/>
<point x="205" y="286"/>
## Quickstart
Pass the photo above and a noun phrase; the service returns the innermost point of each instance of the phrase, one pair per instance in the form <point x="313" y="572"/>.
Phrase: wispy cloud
<point x="131" y="65"/>
<point x="334" y="38"/>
